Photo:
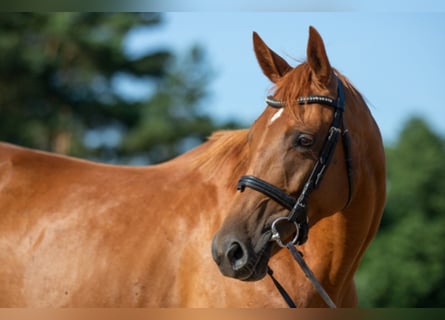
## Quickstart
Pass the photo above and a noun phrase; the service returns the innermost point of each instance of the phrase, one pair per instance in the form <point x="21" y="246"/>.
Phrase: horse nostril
<point x="236" y="255"/>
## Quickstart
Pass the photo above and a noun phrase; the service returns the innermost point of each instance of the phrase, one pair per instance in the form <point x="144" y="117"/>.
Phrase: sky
<point x="395" y="59"/>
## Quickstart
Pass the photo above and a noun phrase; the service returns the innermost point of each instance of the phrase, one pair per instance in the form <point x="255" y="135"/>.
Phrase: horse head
<point x="286" y="144"/>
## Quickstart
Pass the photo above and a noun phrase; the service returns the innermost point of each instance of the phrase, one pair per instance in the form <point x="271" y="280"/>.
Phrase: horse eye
<point x="304" y="141"/>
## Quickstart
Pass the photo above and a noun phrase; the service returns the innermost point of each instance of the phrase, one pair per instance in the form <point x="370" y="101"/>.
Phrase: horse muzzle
<point x="238" y="258"/>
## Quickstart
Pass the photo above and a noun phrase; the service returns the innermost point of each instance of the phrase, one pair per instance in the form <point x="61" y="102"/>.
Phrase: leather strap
<point x="268" y="189"/>
<point x="281" y="290"/>
<point x="309" y="274"/>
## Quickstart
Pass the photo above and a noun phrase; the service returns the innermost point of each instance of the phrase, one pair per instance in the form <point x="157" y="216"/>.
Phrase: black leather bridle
<point x="298" y="207"/>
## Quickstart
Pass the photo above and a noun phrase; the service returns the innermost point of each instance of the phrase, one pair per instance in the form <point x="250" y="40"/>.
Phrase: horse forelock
<point x="294" y="84"/>
<point x="299" y="82"/>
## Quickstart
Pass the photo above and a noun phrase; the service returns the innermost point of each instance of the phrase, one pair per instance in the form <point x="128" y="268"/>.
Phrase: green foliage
<point x="404" y="266"/>
<point x="57" y="88"/>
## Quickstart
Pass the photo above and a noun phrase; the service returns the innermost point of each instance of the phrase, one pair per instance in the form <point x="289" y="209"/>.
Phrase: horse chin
<point x="256" y="269"/>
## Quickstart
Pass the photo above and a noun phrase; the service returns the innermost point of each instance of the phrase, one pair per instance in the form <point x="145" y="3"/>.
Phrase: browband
<point x="336" y="103"/>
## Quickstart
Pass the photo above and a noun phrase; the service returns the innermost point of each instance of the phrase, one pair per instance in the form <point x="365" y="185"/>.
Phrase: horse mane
<point x="226" y="149"/>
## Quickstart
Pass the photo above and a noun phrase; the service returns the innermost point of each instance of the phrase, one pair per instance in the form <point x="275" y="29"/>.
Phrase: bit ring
<point x="276" y="235"/>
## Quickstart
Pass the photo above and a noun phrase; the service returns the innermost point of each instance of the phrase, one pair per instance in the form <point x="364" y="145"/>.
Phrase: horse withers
<point x="74" y="233"/>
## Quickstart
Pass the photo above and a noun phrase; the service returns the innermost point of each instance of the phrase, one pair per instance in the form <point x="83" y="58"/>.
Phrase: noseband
<point x="298" y="207"/>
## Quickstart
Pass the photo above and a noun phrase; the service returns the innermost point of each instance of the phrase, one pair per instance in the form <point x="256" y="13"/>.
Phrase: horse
<point x="76" y="233"/>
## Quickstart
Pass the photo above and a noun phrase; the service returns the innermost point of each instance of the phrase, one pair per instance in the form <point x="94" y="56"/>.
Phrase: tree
<point x="57" y="88"/>
<point x="404" y="265"/>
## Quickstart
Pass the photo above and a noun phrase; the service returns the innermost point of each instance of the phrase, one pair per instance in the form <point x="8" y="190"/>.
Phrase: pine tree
<point x="58" y="75"/>
<point x="404" y="265"/>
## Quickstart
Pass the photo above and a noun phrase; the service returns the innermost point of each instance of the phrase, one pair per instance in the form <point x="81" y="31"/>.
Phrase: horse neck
<point x="351" y="229"/>
<point x="216" y="164"/>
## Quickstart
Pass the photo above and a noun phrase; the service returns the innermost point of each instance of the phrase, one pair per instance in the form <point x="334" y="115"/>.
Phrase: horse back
<point x="73" y="227"/>
<point x="80" y="233"/>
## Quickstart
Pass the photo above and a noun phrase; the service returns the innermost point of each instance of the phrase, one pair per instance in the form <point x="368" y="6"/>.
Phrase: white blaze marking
<point x="276" y="116"/>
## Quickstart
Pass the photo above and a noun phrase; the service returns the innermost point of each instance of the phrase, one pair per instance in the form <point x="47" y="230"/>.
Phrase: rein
<point x="298" y="207"/>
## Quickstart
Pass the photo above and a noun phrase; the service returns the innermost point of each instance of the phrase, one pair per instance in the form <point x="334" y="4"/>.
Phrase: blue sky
<point x="395" y="59"/>
<point x="274" y="5"/>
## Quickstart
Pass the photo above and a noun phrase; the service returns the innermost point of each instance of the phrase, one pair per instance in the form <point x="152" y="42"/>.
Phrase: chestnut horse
<point x="74" y="233"/>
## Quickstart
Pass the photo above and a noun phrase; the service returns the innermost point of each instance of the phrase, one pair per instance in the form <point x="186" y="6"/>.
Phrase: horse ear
<point x="317" y="57"/>
<point x="273" y="66"/>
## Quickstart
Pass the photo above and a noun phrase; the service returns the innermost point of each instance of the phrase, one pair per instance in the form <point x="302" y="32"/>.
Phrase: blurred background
<point x="141" y="88"/>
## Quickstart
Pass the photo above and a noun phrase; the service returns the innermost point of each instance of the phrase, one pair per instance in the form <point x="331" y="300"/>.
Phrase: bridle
<point x="298" y="207"/>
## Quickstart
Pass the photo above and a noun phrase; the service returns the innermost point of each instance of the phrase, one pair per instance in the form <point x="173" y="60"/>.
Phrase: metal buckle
<point x="276" y="235"/>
